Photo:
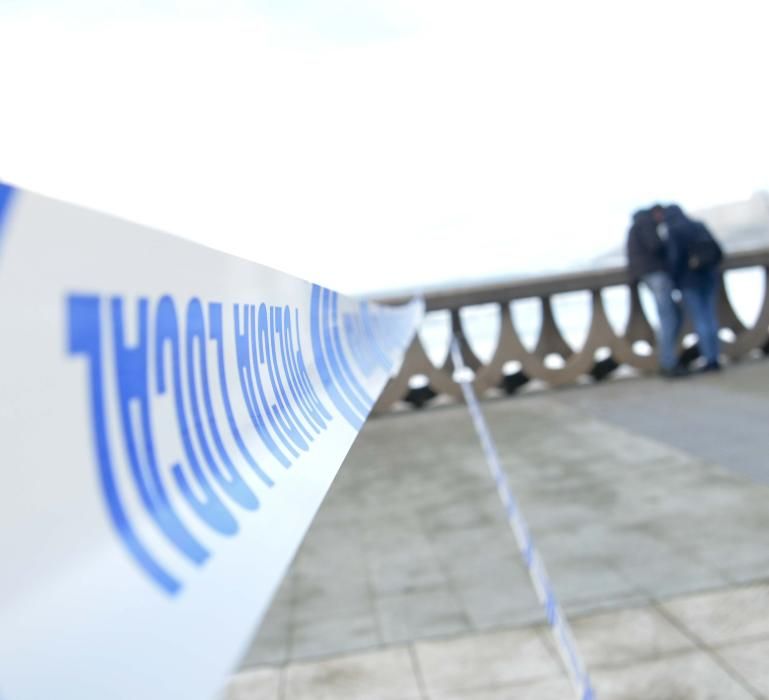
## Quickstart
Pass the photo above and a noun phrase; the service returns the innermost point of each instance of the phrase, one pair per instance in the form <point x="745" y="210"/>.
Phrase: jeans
<point x="700" y="301"/>
<point x="661" y="286"/>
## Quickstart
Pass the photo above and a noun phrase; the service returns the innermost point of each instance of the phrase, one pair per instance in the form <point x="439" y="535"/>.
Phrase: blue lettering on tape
<point x="262" y="360"/>
<point x="369" y="328"/>
<point x="320" y="342"/>
<point x="178" y="355"/>
<point x="226" y="475"/>
<point x="244" y="340"/>
<point x="132" y="373"/>
<point x="282" y="320"/>
<point x="209" y="508"/>
<point x="300" y="368"/>
<point x="284" y="415"/>
<point x="361" y="353"/>
<point x="85" y="339"/>
<point x="6" y="196"/>
<point x="357" y="391"/>
<point x="335" y="361"/>
<point x="216" y="333"/>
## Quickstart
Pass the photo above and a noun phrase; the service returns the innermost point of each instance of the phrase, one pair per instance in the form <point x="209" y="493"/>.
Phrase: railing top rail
<point x="590" y="280"/>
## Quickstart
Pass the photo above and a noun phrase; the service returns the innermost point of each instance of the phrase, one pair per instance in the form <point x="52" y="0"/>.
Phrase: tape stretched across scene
<point x="171" y="419"/>
<point x="559" y="626"/>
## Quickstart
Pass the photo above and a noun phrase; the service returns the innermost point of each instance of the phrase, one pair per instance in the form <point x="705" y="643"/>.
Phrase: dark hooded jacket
<point x="646" y="251"/>
<point x="687" y="240"/>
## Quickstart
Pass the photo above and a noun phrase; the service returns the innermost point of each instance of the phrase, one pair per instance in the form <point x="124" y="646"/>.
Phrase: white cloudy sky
<point x="370" y="144"/>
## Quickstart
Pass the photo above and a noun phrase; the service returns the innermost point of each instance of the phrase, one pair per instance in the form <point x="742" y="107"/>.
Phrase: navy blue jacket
<point x="646" y="252"/>
<point x="684" y="237"/>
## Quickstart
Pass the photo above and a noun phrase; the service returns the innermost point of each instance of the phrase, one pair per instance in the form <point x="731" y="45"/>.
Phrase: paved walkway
<point x="647" y="500"/>
<point x="682" y="649"/>
<point x="727" y="426"/>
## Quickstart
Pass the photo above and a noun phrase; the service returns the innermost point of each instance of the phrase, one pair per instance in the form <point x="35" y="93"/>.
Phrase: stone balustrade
<point x="604" y="352"/>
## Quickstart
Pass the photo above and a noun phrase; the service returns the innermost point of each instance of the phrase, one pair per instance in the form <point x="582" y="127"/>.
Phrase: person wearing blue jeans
<point x="660" y="284"/>
<point x="700" y="301"/>
<point x="648" y="261"/>
<point x="694" y="259"/>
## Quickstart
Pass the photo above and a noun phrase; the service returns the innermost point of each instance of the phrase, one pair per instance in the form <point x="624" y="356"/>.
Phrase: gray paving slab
<point x="420" y="615"/>
<point x="623" y="637"/>
<point x="255" y="684"/>
<point x="721" y="418"/>
<point x="479" y="662"/>
<point x="314" y="637"/>
<point x="271" y="645"/>
<point x="688" y="676"/>
<point x="551" y="689"/>
<point x="411" y="542"/>
<point x="384" y="675"/>
<point x="749" y="661"/>
<point x="644" y="652"/>
<point x="499" y="597"/>
<point x="721" y="617"/>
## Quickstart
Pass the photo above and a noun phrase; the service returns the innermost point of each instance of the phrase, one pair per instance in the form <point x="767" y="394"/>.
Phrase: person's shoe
<point x="712" y="367"/>
<point x="675" y="373"/>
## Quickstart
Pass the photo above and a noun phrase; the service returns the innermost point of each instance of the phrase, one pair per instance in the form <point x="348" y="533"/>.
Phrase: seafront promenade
<point x="649" y="501"/>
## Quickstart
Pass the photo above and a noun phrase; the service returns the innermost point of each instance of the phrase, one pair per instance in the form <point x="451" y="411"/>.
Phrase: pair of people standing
<point x="668" y="251"/>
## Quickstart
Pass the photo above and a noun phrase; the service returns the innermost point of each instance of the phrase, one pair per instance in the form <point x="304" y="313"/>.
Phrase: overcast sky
<point x="371" y="144"/>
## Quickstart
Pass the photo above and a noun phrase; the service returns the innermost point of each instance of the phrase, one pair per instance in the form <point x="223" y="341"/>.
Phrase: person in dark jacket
<point x="649" y="261"/>
<point x="695" y="256"/>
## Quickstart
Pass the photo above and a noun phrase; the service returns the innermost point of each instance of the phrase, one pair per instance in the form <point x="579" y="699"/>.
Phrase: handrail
<point x="577" y="362"/>
<point x="457" y="297"/>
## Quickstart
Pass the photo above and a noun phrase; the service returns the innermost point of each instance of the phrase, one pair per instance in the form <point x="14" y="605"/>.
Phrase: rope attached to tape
<point x="578" y="675"/>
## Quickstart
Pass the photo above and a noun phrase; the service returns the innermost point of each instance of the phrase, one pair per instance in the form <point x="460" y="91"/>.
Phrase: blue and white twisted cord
<point x="578" y="675"/>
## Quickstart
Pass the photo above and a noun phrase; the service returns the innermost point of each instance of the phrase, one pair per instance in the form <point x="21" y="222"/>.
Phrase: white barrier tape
<point x="171" y="418"/>
<point x="564" y="639"/>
